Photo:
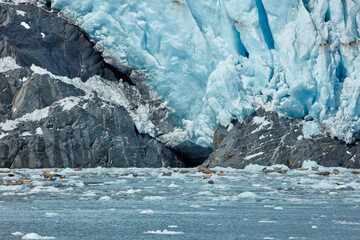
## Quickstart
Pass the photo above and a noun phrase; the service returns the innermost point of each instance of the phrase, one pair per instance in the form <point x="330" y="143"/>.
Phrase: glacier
<point x="216" y="61"/>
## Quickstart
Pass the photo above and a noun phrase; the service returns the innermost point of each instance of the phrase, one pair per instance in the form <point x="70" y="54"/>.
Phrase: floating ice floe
<point x="51" y="214"/>
<point x="172" y="185"/>
<point x="147" y="211"/>
<point x="36" y="236"/>
<point x="247" y="195"/>
<point x="105" y="198"/>
<point x="154" y="198"/>
<point x="165" y="232"/>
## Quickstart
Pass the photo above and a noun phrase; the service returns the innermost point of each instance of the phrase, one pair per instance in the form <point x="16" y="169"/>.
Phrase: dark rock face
<point x="46" y="122"/>
<point x="278" y="140"/>
<point x="87" y="135"/>
<point x="50" y="42"/>
<point x="43" y="91"/>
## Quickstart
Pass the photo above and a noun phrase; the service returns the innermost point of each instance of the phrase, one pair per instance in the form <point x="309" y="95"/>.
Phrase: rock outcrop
<point x="48" y="122"/>
<point x="266" y="138"/>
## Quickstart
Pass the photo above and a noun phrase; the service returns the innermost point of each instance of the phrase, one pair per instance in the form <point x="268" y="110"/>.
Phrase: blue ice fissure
<point x="264" y="24"/>
<point x="240" y="47"/>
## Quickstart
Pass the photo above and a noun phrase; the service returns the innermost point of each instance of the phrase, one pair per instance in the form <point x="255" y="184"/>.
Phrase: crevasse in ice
<point x="213" y="61"/>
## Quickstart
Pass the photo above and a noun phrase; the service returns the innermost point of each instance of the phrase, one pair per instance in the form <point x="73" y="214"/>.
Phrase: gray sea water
<point x="244" y="204"/>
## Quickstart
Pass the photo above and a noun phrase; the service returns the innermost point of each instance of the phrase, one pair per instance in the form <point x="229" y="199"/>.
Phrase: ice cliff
<point x="214" y="61"/>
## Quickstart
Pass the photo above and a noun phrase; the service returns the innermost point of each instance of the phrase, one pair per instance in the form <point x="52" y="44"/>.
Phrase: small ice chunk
<point x="17" y="234"/>
<point x="105" y="198"/>
<point x="345" y="222"/>
<point x="172" y="185"/>
<point x="247" y="195"/>
<point x="278" y="208"/>
<point x="323" y="185"/>
<point x="36" y="236"/>
<point x="266" y="221"/>
<point x="51" y="214"/>
<point x="172" y="226"/>
<point x="153" y="198"/>
<point x="314" y="227"/>
<point x="253" y="168"/>
<point x="132" y="191"/>
<point x="208" y="193"/>
<point x="43" y="35"/>
<point x="147" y="211"/>
<point x="309" y="164"/>
<point x="311" y="129"/>
<point x="25" y="25"/>
<point x="89" y="194"/>
<point x="195" y="206"/>
<point x="165" y="231"/>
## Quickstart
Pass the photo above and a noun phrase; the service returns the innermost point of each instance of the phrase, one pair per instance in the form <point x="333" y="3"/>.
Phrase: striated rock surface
<point x="56" y="104"/>
<point x="266" y="138"/>
<point x="91" y="133"/>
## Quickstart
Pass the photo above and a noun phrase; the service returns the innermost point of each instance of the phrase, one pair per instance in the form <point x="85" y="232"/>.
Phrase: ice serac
<point x="214" y="61"/>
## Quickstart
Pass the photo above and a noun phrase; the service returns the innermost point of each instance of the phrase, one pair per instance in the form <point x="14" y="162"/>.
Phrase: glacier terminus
<point x="215" y="61"/>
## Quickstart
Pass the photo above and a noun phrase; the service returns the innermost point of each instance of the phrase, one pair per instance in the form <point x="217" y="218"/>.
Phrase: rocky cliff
<point x="49" y="115"/>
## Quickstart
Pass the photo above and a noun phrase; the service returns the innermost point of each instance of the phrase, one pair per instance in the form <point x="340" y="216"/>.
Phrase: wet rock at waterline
<point x="266" y="138"/>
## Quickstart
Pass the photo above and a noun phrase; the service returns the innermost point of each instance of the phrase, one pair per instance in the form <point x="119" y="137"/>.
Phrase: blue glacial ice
<point x="213" y="61"/>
